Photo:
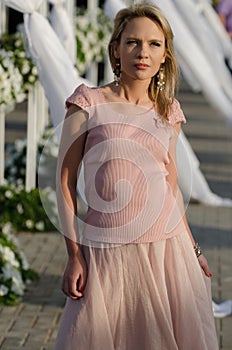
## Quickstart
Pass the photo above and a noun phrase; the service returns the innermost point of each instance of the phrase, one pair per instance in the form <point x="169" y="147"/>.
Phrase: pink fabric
<point x="146" y="296"/>
<point x="125" y="160"/>
<point x="151" y="296"/>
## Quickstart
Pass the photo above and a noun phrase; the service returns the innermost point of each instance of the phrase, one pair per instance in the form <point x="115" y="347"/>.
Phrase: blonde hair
<point x="162" y="99"/>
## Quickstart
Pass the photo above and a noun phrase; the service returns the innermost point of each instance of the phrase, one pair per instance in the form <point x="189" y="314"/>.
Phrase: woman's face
<point x="141" y="49"/>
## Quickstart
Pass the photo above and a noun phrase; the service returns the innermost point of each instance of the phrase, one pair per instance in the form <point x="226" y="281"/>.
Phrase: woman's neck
<point x="135" y="92"/>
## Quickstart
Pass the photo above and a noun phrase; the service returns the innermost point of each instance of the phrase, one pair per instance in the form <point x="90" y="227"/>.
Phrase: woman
<point x="135" y="278"/>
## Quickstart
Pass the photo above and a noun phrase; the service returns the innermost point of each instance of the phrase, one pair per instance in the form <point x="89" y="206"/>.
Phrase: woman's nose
<point x="142" y="50"/>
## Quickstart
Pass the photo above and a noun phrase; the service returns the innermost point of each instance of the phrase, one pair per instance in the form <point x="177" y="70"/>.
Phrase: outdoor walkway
<point x="32" y="325"/>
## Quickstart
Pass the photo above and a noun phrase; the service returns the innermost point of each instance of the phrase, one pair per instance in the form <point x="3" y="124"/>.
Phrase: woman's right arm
<point x="70" y="155"/>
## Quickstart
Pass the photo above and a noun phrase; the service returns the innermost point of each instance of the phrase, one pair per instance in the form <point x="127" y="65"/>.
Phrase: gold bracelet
<point x="197" y="250"/>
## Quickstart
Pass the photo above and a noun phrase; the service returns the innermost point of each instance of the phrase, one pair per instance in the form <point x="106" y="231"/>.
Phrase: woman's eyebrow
<point x="150" y="40"/>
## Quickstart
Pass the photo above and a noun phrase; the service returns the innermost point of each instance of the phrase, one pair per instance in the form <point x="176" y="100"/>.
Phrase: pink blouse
<point x="125" y="159"/>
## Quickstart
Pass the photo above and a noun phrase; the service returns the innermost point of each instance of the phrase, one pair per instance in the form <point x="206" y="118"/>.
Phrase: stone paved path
<point x="32" y="325"/>
<point x="211" y="139"/>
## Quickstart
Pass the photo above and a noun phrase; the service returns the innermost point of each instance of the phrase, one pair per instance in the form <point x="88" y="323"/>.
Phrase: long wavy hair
<point x="162" y="99"/>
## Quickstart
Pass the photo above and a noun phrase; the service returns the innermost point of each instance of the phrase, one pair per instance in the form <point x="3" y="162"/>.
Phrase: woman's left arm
<point x="172" y="180"/>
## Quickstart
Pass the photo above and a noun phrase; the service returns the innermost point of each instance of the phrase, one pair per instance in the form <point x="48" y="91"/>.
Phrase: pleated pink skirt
<point x="151" y="296"/>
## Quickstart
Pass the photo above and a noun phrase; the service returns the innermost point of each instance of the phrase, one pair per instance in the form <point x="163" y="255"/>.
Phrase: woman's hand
<point x="204" y="265"/>
<point x="75" y="277"/>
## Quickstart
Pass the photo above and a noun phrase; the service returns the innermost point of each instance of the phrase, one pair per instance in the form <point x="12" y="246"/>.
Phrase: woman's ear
<point x="163" y="60"/>
<point x="116" y="50"/>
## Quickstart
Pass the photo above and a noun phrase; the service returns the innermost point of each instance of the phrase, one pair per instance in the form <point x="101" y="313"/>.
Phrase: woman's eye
<point x="131" y="42"/>
<point x="155" y="43"/>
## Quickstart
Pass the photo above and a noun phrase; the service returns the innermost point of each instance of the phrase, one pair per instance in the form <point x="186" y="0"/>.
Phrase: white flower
<point x="11" y="82"/>
<point x="17" y="286"/>
<point x="10" y="271"/>
<point x="3" y="290"/>
<point x="8" y="194"/>
<point x="22" y="54"/>
<point x="29" y="224"/>
<point x="20" y="208"/>
<point x="39" y="225"/>
<point x="9" y="256"/>
<point x="6" y="229"/>
<point x="19" y="188"/>
<point x="82" y="21"/>
<point x="17" y="43"/>
<point x="34" y="71"/>
<point x="19" y="182"/>
<point x="25" y="264"/>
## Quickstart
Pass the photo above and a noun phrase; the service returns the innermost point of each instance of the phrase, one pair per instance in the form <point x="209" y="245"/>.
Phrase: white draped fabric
<point x="207" y="41"/>
<point x="61" y="24"/>
<point x="191" y="180"/>
<point x="24" y="6"/>
<point x="190" y="50"/>
<point x="223" y="309"/>
<point x="211" y="17"/>
<point x="56" y="71"/>
<point x="111" y="7"/>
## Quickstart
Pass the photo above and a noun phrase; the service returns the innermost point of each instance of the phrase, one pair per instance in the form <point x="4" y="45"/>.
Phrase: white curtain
<point x="64" y="30"/>
<point x="24" y="6"/>
<point x="207" y="42"/>
<point x="211" y="17"/>
<point x="194" y="57"/>
<point x="190" y="178"/>
<point x="111" y="7"/>
<point x="56" y="71"/>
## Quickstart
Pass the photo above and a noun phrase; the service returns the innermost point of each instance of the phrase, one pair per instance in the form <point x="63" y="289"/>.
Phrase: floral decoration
<point x="14" y="45"/>
<point x="24" y="209"/>
<point x="14" y="268"/>
<point x="11" y="82"/>
<point x="92" y="38"/>
<point x="15" y="165"/>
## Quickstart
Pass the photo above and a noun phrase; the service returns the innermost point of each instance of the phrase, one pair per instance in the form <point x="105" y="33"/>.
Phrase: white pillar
<point x="2" y="146"/>
<point x="70" y="8"/>
<point x="92" y="72"/>
<point x="108" y="73"/>
<point x="31" y="140"/>
<point x="3" y="11"/>
<point x="41" y="110"/>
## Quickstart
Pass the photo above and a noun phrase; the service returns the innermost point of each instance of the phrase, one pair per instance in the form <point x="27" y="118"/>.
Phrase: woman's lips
<point x="141" y="66"/>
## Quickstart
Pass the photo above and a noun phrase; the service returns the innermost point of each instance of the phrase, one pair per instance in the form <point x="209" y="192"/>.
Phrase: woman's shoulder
<point x="83" y="96"/>
<point x="176" y="114"/>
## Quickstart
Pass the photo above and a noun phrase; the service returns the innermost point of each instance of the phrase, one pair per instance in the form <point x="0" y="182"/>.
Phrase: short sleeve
<point x="80" y="97"/>
<point x="176" y="115"/>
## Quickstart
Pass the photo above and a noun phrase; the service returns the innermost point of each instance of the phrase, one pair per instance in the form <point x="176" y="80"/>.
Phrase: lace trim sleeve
<point x="79" y="98"/>
<point x="176" y="114"/>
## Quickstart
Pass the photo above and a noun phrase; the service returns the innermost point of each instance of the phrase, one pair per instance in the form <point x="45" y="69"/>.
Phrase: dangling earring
<point x="117" y="73"/>
<point x="160" y="79"/>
